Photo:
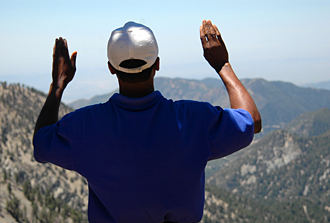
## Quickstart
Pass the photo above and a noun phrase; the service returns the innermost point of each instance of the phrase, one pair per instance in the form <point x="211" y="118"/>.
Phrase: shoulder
<point x="195" y="104"/>
<point x="88" y="109"/>
<point x="84" y="112"/>
<point x="197" y="108"/>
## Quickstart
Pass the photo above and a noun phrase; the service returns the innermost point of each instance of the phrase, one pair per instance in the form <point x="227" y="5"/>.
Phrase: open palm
<point x="64" y="67"/>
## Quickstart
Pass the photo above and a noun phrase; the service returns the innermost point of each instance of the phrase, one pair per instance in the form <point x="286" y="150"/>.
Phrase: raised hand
<point x="64" y="67"/>
<point x="216" y="54"/>
<point x="215" y="51"/>
<point x="63" y="72"/>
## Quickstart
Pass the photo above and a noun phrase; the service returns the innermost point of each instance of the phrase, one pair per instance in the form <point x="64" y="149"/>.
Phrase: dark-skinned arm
<point x="63" y="72"/>
<point x="216" y="54"/>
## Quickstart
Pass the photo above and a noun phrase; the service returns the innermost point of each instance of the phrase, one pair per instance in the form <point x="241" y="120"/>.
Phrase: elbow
<point x="257" y="124"/>
<point x="257" y="127"/>
<point x="37" y="153"/>
<point x="38" y="157"/>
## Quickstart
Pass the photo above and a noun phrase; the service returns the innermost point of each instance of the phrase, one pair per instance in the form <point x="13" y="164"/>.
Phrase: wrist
<point x="225" y="69"/>
<point x="228" y="76"/>
<point x="225" y="66"/>
<point x="55" y="91"/>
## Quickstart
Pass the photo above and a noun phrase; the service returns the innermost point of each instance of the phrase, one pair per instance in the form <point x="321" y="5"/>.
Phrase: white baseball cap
<point x="132" y="41"/>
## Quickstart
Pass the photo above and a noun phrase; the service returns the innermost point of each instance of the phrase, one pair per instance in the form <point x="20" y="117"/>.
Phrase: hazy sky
<point x="275" y="40"/>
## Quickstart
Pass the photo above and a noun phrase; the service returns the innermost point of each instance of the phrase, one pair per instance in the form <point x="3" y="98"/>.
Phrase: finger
<point x="217" y="32"/>
<point x="66" y="49"/>
<point x="65" y="43"/>
<point x="73" y="59"/>
<point x="55" y="57"/>
<point x="214" y="40"/>
<point x="212" y="30"/>
<point x="201" y="31"/>
<point x="208" y="25"/>
<point x="211" y="36"/>
<point x="55" y="48"/>
<point x="219" y="36"/>
<point x="202" y="35"/>
<point x="205" y="28"/>
<point x="205" y="34"/>
<point x="62" y="47"/>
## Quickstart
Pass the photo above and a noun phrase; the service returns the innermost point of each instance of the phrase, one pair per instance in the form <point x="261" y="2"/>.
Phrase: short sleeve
<point x="229" y="131"/>
<point x="52" y="144"/>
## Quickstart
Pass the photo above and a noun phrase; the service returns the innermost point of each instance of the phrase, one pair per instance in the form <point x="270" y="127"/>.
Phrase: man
<point x="144" y="155"/>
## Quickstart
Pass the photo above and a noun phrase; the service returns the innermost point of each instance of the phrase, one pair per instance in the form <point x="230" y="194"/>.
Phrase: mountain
<point x="319" y="85"/>
<point x="282" y="177"/>
<point x="224" y="206"/>
<point x="286" y="165"/>
<point x="311" y="123"/>
<point x="30" y="191"/>
<point x="94" y="100"/>
<point x="176" y="89"/>
<point x="278" y="102"/>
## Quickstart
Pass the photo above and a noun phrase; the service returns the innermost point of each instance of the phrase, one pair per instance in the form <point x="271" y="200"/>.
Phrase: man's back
<point x="137" y="152"/>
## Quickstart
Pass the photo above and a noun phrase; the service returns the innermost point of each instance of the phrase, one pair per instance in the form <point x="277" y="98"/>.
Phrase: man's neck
<point x="136" y="90"/>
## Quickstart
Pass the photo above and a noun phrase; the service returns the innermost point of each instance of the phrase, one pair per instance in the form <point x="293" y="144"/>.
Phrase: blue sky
<point x="274" y="40"/>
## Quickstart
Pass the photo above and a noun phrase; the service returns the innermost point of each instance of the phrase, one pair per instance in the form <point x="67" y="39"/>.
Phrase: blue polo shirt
<point x="144" y="158"/>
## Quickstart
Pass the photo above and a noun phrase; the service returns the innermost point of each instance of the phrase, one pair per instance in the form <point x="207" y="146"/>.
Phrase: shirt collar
<point x="136" y="103"/>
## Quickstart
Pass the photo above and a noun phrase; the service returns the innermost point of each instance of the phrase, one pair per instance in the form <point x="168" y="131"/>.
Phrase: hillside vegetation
<point x="30" y="191"/>
<point x="289" y="166"/>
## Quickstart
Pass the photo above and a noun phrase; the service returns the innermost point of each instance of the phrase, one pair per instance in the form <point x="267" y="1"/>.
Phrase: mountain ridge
<point x="278" y="102"/>
<point x="319" y="85"/>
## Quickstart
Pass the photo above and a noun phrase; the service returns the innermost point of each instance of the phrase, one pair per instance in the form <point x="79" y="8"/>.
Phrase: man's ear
<point x="111" y="68"/>
<point x="157" y="66"/>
